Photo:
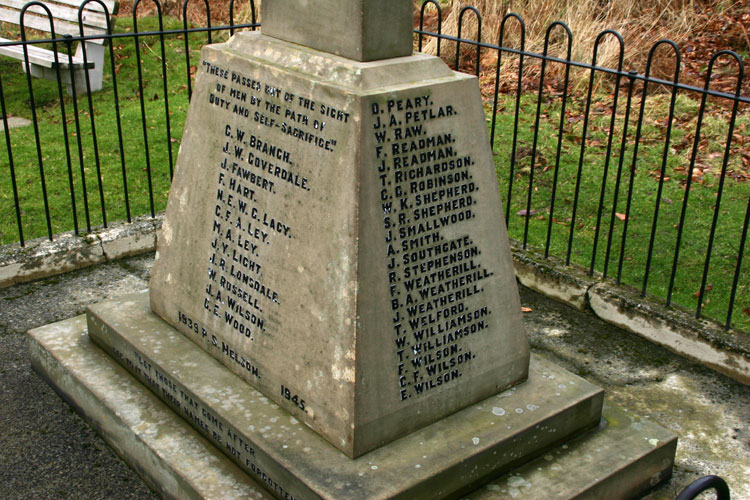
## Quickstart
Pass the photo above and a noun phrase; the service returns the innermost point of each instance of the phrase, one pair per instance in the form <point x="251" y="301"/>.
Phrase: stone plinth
<point x="362" y="30"/>
<point x="334" y="236"/>
<point x="449" y="456"/>
<point x="620" y="459"/>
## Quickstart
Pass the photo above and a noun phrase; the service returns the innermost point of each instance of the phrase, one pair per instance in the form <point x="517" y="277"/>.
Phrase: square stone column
<point x="362" y="30"/>
<point x="334" y="235"/>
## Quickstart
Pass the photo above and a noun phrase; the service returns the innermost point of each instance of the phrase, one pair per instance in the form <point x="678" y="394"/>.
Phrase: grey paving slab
<point x="13" y="122"/>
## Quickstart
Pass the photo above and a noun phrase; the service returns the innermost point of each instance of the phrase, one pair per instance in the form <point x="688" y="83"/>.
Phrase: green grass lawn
<point x="139" y="160"/>
<point x="630" y="263"/>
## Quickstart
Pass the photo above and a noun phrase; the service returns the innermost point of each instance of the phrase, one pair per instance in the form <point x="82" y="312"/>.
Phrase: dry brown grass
<point x="641" y="24"/>
<point x="196" y="10"/>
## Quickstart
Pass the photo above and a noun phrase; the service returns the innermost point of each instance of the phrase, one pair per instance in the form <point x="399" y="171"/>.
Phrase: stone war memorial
<point x="333" y="312"/>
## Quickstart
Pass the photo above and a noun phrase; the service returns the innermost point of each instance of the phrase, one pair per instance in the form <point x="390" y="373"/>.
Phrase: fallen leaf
<point x="620" y="216"/>
<point x="524" y="213"/>
<point x="526" y="309"/>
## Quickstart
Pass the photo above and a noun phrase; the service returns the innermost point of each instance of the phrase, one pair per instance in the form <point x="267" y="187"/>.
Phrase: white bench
<point x="42" y="62"/>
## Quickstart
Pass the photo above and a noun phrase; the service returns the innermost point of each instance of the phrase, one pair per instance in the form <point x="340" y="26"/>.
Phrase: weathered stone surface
<point x="699" y="340"/>
<point x="42" y="257"/>
<point x="623" y="458"/>
<point x="362" y="30"/>
<point x="551" y="277"/>
<point x="435" y="462"/>
<point x="334" y="236"/>
<point x="170" y="456"/>
<point x="180" y="464"/>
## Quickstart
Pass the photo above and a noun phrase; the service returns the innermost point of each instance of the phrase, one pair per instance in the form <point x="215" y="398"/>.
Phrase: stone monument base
<point x="251" y="447"/>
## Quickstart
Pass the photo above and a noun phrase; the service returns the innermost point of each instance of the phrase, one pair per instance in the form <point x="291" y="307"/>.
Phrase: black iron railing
<point x="703" y="484"/>
<point x="83" y="147"/>
<point x="609" y="216"/>
<point x="570" y="161"/>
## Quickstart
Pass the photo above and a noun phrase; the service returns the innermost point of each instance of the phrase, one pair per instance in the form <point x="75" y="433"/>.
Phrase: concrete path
<point x="48" y="452"/>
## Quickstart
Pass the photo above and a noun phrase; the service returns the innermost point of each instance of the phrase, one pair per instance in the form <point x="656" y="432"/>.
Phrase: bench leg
<point x="95" y="54"/>
<point x="51" y="74"/>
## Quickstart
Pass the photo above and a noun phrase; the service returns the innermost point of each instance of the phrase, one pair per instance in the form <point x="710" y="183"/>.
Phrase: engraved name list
<point x="427" y="198"/>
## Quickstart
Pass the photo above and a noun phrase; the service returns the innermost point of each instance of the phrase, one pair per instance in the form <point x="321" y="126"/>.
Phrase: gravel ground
<point x="48" y="452"/>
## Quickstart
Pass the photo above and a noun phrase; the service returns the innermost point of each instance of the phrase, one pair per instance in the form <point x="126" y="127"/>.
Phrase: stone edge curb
<point x="675" y="329"/>
<point x="41" y="258"/>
